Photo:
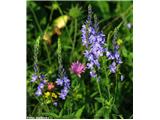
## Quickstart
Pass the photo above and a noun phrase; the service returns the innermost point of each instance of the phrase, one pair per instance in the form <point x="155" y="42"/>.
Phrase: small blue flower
<point x="65" y="90"/>
<point x="112" y="67"/>
<point x="41" y="85"/>
<point x="116" y="55"/>
<point x="55" y="104"/>
<point x="42" y="76"/>
<point x="38" y="92"/>
<point x="119" y="61"/>
<point x="59" y="82"/>
<point x="96" y="63"/>
<point x="62" y="96"/>
<point x="66" y="80"/>
<point x="93" y="74"/>
<point x="110" y="55"/>
<point x="44" y="81"/>
<point x="90" y="65"/>
<point x="34" y="78"/>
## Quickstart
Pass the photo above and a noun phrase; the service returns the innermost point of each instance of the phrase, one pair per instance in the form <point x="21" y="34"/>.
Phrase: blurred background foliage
<point x="64" y="19"/>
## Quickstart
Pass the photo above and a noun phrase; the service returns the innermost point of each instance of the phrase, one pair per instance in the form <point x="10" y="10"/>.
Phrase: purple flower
<point x="90" y="57"/>
<point x="66" y="82"/>
<point x="93" y="74"/>
<point x="77" y="68"/>
<point x="38" y="92"/>
<point x="65" y="90"/>
<point x="94" y="41"/>
<point x="34" y="78"/>
<point x="116" y="55"/>
<point x="96" y="63"/>
<point x="44" y="81"/>
<point x="62" y="96"/>
<point x="55" y="104"/>
<point x="112" y="67"/>
<point x="59" y="82"/>
<point x="42" y="77"/>
<point x="64" y="93"/>
<point x="90" y="65"/>
<point x="110" y="55"/>
<point x="41" y="85"/>
<point x="119" y="61"/>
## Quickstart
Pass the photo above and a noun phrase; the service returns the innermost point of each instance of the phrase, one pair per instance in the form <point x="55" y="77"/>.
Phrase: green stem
<point x="48" y="53"/>
<point x="75" y="34"/>
<point x="39" y="28"/>
<point x="100" y="92"/>
<point x="116" y="88"/>
<point x="36" y="20"/>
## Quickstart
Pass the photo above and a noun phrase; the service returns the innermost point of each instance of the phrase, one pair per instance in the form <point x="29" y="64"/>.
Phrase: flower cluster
<point x="42" y="83"/>
<point x="65" y="82"/>
<point x="114" y="55"/>
<point x="94" y="41"/>
<point x="77" y="68"/>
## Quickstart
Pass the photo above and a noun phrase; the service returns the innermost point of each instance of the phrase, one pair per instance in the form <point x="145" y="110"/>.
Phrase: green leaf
<point x="104" y="8"/>
<point x="99" y="99"/>
<point x="93" y="94"/>
<point x="102" y="112"/>
<point x="124" y="52"/>
<point x="53" y="115"/>
<point x="79" y="112"/>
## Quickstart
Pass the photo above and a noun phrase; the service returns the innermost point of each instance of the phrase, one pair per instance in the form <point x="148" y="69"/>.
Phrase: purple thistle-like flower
<point x="38" y="92"/>
<point x="59" y="82"/>
<point x="34" y="78"/>
<point x="77" y="68"/>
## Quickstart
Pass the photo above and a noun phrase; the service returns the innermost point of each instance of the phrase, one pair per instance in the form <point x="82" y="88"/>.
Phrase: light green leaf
<point x="79" y="112"/>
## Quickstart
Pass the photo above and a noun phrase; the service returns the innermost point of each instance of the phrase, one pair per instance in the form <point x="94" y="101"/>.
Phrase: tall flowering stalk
<point x="114" y="55"/>
<point x="93" y="40"/>
<point x="37" y="76"/>
<point x="63" y="80"/>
